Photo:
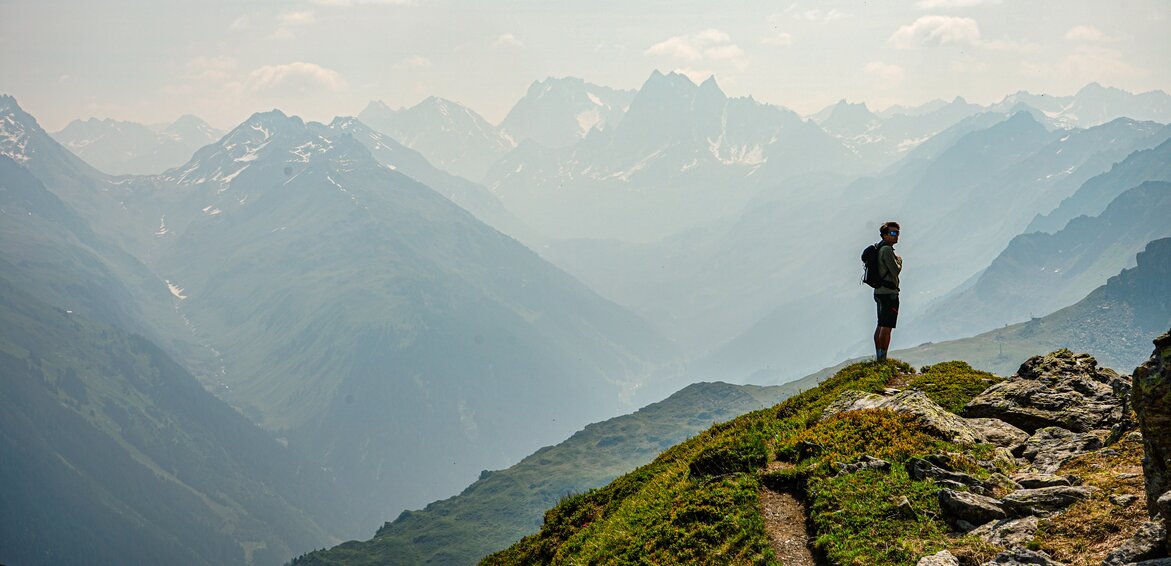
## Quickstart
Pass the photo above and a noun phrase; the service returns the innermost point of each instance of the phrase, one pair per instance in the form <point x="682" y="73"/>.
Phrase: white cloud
<point x="711" y="45"/>
<point x="243" y="23"/>
<point x="936" y="30"/>
<point x="781" y="39"/>
<point x="1090" y="63"/>
<point x="886" y="74"/>
<point x="934" y="4"/>
<point x="296" y="77"/>
<point x="507" y="40"/>
<point x="1088" y="34"/>
<point x="413" y="62"/>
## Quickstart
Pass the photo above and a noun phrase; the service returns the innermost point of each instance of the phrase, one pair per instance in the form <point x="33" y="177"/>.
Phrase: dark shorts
<point x="888" y="310"/>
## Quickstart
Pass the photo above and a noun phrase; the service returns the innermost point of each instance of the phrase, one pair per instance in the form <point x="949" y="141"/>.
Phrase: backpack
<point x="870" y="274"/>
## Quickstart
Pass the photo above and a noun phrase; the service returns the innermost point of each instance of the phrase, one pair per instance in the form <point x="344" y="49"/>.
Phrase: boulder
<point x="1033" y="480"/>
<point x="1008" y="532"/>
<point x="1050" y="447"/>
<point x="863" y="462"/>
<point x="998" y="432"/>
<point x="1151" y="399"/>
<point x="941" y="558"/>
<point x="1163" y="507"/>
<point x="1021" y="556"/>
<point x="970" y="507"/>
<point x="934" y="418"/>
<point x="1044" y="500"/>
<point x="1059" y="389"/>
<point x="920" y="469"/>
<point x="1148" y="543"/>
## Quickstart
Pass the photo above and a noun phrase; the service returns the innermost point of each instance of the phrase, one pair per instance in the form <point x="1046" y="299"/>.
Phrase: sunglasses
<point x="893" y="232"/>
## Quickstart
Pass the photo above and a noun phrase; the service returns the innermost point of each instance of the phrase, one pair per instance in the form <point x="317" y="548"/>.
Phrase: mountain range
<point x="126" y="148"/>
<point x="359" y="300"/>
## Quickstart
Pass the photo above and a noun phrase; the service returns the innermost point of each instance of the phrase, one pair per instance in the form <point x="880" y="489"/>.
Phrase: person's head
<point x="890" y="232"/>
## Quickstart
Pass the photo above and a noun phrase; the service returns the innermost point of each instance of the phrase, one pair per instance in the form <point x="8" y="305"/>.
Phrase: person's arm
<point x="889" y="267"/>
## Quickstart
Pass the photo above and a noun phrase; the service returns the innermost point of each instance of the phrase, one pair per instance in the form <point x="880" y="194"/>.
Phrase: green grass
<point x="952" y="384"/>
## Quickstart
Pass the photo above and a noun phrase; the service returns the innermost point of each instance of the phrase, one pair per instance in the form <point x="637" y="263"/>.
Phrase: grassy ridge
<point x="698" y="502"/>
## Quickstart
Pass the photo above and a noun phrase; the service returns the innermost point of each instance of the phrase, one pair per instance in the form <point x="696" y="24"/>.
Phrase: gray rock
<point x="1123" y="500"/>
<point x="1021" y="556"/>
<point x="1059" y="389"/>
<point x="863" y="462"/>
<point x="1008" y="532"/>
<point x="1163" y="506"/>
<point x="1051" y="447"/>
<point x="970" y="507"/>
<point x="1044" y="500"/>
<point x="1033" y="480"/>
<point x="920" y="469"/>
<point x="934" y="418"/>
<point x="1146" y="544"/>
<point x="1155" y="562"/>
<point x="999" y="432"/>
<point x="1151" y="398"/>
<point x="941" y="558"/>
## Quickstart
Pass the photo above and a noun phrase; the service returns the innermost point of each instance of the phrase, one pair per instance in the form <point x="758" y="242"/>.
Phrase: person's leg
<point x="882" y="342"/>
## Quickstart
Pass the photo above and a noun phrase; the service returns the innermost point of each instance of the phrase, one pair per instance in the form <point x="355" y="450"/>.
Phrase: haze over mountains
<point x="396" y="301"/>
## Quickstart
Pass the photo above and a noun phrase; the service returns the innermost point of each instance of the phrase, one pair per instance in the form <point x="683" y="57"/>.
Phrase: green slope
<point x="503" y="506"/>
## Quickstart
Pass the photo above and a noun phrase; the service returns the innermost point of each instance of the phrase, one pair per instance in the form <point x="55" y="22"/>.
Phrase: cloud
<point x="507" y="40"/>
<point x="298" y="77"/>
<point x="1088" y="34"/>
<point x="711" y="45"/>
<point x="289" y="21"/>
<point x="1090" y="63"/>
<point x="936" y="30"/>
<point x="781" y="39"/>
<point x="413" y="62"/>
<point x="243" y="23"/>
<point x="886" y="74"/>
<point x="934" y="4"/>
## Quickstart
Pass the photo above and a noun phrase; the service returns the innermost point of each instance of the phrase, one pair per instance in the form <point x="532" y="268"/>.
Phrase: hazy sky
<point x="153" y="60"/>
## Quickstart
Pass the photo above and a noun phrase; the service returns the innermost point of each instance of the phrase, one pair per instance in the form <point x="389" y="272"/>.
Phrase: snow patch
<point x="176" y="290"/>
<point x="211" y="210"/>
<point x="162" y="231"/>
<point x="587" y="120"/>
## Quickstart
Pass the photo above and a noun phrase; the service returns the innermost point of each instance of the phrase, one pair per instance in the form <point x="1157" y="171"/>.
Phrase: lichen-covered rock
<point x="941" y="558"/>
<point x="969" y="507"/>
<point x="1146" y="544"/>
<point x="1052" y="446"/>
<point x="863" y="462"/>
<point x="999" y="432"/>
<point x="1059" y="389"/>
<point x="930" y="415"/>
<point x="920" y="469"/>
<point x="1044" y="500"/>
<point x="1008" y="532"/>
<point x="1151" y="399"/>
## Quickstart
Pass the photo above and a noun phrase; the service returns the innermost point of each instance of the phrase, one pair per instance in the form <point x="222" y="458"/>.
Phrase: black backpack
<point x="870" y="274"/>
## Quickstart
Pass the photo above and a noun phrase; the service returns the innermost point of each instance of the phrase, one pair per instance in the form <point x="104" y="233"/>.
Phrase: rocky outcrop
<point x="1060" y="389"/>
<point x="1052" y="446"/>
<point x="999" y="432"/>
<point x="1151" y="398"/>
<point x="1008" y="533"/>
<point x="1021" y="556"/>
<point x="1148" y="543"/>
<point x="1044" y="500"/>
<point x="930" y="415"/>
<point x="941" y="558"/>
<point x="970" y="508"/>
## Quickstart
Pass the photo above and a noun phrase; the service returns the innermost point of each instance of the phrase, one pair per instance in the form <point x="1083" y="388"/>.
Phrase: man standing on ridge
<point x="887" y="295"/>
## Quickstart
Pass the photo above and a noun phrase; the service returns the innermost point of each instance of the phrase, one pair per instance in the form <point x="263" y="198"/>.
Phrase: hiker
<point x="886" y="293"/>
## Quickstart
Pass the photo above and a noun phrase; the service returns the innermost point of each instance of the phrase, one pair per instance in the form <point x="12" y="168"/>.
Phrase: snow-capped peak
<point x="16" y="129"/>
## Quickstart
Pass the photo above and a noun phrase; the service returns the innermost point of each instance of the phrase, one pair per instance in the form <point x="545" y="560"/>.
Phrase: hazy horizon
<point x="223" y="61"/>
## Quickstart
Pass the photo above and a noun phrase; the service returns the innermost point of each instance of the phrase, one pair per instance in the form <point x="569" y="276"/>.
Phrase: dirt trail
<point x="784" y="521"/>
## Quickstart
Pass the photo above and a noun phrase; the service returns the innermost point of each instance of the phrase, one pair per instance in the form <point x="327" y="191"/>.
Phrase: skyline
<point x="223" y="60"/>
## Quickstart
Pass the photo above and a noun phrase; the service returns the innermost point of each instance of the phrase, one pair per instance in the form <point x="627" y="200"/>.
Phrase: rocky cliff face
<point x="1151" y="397"/>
